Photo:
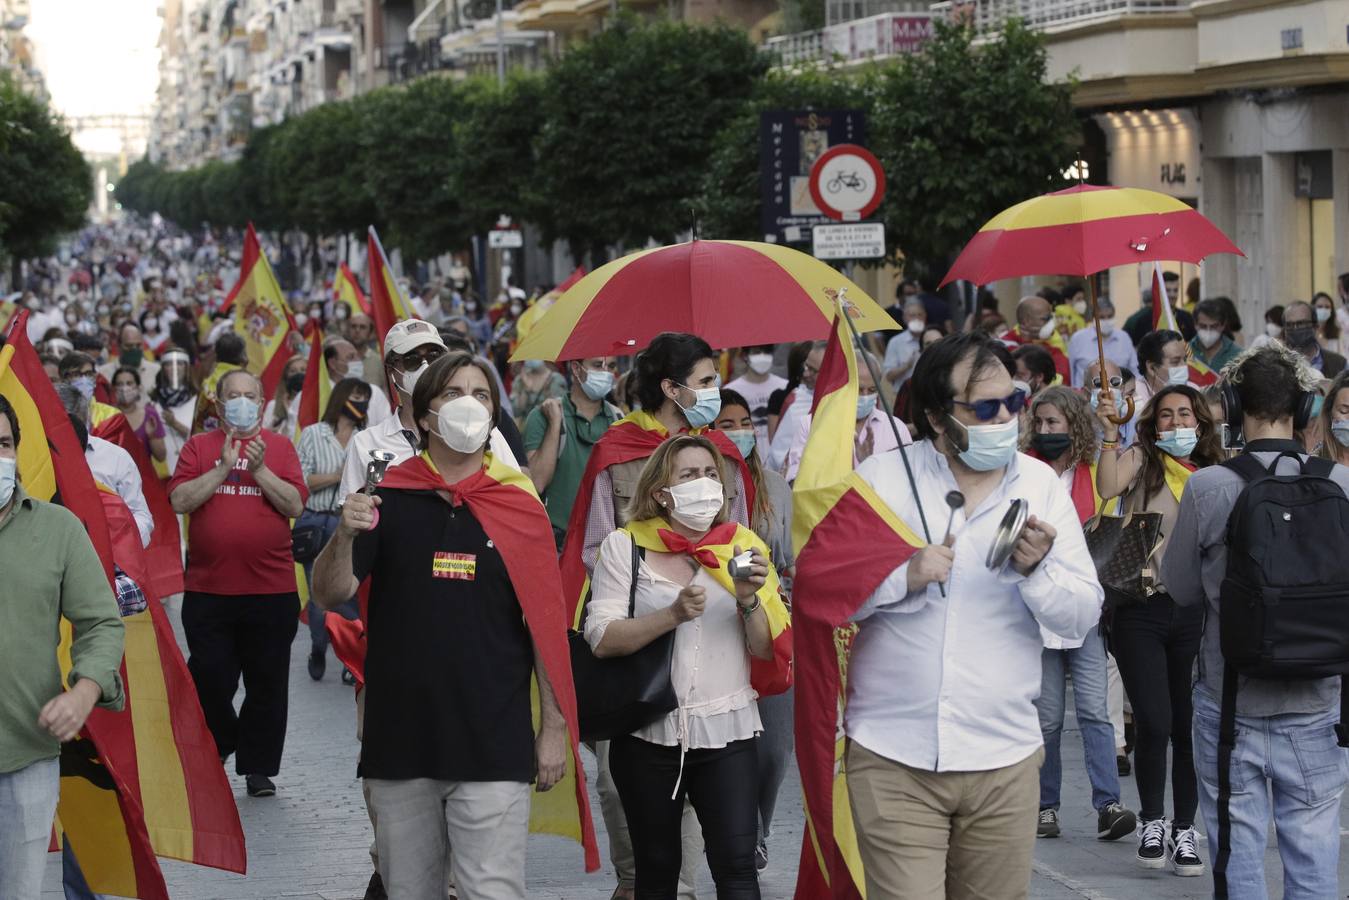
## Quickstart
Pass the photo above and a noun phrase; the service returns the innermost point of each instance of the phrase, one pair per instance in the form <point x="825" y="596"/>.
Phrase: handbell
<point x="375" y="469"/>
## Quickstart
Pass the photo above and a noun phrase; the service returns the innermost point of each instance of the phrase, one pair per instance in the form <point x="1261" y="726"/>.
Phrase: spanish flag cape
<point x="847" y="542"/>
<point x="504" y="502"/>
<point x="146" y="781"/>
<point x="1086" y="500"/>
<point x="713" y="552"/>
<point x="635" y="436"/>
<point x="165" y="553"/>
<point x="1057" y="347"/>
<point x="1177" y="473"/>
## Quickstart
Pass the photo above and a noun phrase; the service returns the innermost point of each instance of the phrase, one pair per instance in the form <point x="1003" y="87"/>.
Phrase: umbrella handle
<point x="1128" y="412"/>
<point x="1100" y="349"/>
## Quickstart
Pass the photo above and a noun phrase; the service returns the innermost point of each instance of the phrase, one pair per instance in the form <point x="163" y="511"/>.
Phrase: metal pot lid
<point x="1009" y="532"/>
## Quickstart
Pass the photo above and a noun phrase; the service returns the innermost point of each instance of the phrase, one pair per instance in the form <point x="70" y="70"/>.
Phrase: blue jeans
<point x="318" y="634"/>
<point x="72" y="877"/>
<point x="27" y="807"/>
<point x="1087" y="664"/>
<point x="1296" y="758"/>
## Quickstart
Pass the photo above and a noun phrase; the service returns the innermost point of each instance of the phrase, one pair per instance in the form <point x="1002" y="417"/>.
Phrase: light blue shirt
<point x="948" y="684"/>
<point x="1082" y="352"/>
<point x="903" y="349"/>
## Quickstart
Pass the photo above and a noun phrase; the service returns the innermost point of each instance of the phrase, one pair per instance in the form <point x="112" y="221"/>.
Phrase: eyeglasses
<point x="987" y="409"/>
<point x="1115" y="381"/>
<point x="415" y="358"/>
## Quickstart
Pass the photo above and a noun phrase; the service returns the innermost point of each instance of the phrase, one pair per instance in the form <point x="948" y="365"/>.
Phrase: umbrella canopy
<point x="729" y="293"/>
<point x="1085" y="229"/>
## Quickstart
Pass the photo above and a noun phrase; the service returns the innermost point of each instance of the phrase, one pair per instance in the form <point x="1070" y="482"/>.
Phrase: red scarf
<point x="633" y="437"/>
<point x="1084" y="488"/>
<point x="677" y="543"/>
<point x="516" y="522"/>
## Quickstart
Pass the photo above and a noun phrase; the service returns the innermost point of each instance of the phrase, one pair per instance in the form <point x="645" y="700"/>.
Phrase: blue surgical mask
<point x="1340" y="428"/>
<point x="85" y="385"/>
<point x="1121" y="406"/>
<point x="989" y="446"/>
<point x="598" y="383"/>
<point x="8" y="467"/>
<point x="745" y="441"/>
<point x="1318" y="402"/>
<point x="705" y="409"/>
<point x="1179" y="443"/>
<point x="241" y="413"/>
<point x="534" y="365"/>
<point x="866" y="405"/>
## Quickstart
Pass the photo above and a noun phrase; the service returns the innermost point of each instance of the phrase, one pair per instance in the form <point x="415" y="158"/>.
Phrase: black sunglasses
<point x="987" y="409"/>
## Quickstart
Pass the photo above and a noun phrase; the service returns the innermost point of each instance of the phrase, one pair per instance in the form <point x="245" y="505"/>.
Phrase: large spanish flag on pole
<point x="261" y="316"/>
<point x="347" y="290"/>
<point x="1163" y="316"/>
<point x="848" y="541"/>
<point x="146" y="781"/>
<point x="317" y="387"/>
<point x="388" y="305"/>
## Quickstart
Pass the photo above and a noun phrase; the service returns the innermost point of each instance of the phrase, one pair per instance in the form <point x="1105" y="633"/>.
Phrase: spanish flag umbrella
<point x="729" y="293"/>
<point x="1084" y="230"/>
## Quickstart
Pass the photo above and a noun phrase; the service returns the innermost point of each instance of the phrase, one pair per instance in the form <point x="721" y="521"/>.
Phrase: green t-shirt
<point x="578" y="437"/>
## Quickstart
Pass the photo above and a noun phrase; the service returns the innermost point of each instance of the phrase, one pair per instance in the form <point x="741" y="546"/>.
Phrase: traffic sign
<point x="847" y="183"/>
<point x="505" y="239"/>
<point x="859" y="240"/>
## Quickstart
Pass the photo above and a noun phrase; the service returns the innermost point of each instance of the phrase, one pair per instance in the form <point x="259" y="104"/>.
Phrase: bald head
<point x="1032" y="312"/>
<point x="1112" y="372"/>
<point x="238" y="382"/>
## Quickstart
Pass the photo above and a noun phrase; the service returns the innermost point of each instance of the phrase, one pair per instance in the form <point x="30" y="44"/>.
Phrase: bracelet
<point x="749" y="611"/>
<point x="1110" y="444"/>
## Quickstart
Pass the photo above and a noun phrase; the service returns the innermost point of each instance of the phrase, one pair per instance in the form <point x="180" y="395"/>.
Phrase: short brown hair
<point x="436" y="378"/>
<point x="659" y="473"/>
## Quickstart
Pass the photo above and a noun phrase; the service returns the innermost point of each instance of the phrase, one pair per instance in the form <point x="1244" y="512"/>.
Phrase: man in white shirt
<point x="873" y="435"/>
<point x="410" y="346"/>
<point x="902" y="351"/>
<point x="109" y="463"/>
<point x="1119" y="348"/>
<point x="756" y="386"/>
<point x="944" y="744"/>
<point x="800" y="401"/>
<point x="344" y="361"/>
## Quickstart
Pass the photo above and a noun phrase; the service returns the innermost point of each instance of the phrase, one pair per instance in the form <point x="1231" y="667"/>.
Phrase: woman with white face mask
<point x="1162" y="362"/>
<point x="679" y="543"/>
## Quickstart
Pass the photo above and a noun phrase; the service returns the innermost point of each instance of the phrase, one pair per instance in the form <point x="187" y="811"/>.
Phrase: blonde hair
<point x="659" y="473"/>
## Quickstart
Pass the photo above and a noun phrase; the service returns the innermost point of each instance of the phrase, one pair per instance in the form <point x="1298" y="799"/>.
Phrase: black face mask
<point x="294" y="382"/>
<point x="1051" y="446"/>
<point x="357" y="410"/>
<point x="1301" y="335"/>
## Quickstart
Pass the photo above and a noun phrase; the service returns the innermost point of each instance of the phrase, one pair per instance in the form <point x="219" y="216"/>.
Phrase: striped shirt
<point x="321" y="454"/>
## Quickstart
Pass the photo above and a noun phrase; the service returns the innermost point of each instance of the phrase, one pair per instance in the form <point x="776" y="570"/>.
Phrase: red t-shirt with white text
<point x="237" y="542"/>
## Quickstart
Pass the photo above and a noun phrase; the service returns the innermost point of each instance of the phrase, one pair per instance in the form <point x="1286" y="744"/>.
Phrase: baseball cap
<point x="409" y="334"/>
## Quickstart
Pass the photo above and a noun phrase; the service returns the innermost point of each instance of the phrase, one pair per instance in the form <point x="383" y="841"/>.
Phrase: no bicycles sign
<point x="847" y="183"/>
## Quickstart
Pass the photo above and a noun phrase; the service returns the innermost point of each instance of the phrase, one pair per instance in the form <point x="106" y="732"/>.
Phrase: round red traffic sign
<point x="847" y="183"/>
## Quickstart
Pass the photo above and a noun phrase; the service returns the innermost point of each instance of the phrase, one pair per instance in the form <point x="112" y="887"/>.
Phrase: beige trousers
<point x="936" y="835"/>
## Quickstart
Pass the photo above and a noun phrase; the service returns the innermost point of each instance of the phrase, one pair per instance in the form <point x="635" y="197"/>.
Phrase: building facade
<point x="17" y="59"/>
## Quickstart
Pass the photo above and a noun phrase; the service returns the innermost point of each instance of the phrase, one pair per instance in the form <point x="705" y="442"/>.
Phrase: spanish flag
<point x="261" y="316"/>
<point x="346" y="289"/>
<point x="146" y="781"/>
<point x="1163" y="316"/>
<point x="504" y="502"/>
<point x="388" y="305"/>
<point x="1200" y="375"/>
<point x="1177" y="473"/>
<point x="635" y="436"/>
<point x="848" y="541"/>
<point x="714" y="552"/>
<point x="317" y="387"/>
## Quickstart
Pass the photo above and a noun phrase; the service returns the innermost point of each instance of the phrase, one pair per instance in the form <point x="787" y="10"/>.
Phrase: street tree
<point x="963" y="131"/>
<point x="492" y="172"/>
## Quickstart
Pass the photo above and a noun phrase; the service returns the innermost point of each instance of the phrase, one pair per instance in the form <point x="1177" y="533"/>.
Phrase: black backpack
<point x="1284" y="601"/>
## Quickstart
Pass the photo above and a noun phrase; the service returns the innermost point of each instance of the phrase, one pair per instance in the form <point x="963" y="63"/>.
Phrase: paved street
<point x="312" y="839"/>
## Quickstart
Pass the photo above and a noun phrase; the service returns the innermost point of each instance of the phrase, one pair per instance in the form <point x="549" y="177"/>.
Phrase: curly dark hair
<point x="1081" y="422"/>
<point x="1207" y="452"/>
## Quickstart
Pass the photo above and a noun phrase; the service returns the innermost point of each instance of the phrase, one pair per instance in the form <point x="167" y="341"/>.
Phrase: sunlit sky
<point x="99" y="57"/>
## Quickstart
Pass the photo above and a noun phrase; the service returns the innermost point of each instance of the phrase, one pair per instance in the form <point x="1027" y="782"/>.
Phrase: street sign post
<point x="789" y="143"/>
<point x="505" y="239"/>
<point x="847" y="183"/>
<point x="859" y="240"/>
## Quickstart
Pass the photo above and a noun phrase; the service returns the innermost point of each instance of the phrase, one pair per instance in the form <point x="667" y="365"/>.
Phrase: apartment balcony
<point x="405" y="62"/>
<point x="876" y="37"/>
<point x="1049" y="15"/>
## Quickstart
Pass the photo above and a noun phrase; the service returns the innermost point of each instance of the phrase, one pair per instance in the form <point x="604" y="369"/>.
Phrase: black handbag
<point x="620" y="694"/>
<point x="306" y="538"/>
<point x="1121" y="549"/>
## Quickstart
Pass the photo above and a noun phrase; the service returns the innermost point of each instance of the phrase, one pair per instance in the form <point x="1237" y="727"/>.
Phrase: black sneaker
<point x="1047" y="826"/>
<point x="1114" y="822"/>
<point x="1152" y="844"/>
<point x="348" y="677"/>
<point x="1180" y="846"/>
<point x="260" y="786"/>
<point x="1122" y="763"/>
<point x="761" y="856"/>
<point x="375" y="889"/>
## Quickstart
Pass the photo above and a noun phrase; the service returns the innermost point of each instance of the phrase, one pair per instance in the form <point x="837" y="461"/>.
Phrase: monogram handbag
<point x="1122" y="549"/>
<point x="620" y="694"/>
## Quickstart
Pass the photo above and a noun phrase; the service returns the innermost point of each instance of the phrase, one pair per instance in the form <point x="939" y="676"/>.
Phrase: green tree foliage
<point x="963" y="131"/>
<point x="730" y="203"/>
<point x="629" y="121"/>
<point x="493" y="170"/>
<point x="315" y="163"/>
<point x="46" y="185"/>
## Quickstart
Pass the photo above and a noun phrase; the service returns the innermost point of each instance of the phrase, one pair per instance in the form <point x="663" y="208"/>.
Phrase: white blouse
<point x="710" y="668"/>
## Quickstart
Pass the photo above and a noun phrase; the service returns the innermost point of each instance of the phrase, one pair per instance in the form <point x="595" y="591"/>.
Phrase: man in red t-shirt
<point x="241" y="486"/>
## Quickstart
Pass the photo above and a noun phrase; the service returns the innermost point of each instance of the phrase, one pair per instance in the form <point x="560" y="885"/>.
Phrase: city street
<point x="312" y="840"/>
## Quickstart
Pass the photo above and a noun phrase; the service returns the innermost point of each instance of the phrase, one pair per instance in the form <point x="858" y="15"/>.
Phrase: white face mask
<point x="1107" y="326"/>
<point x="464" y="424"/>
<point x="1323" y="314"/>
<point x="697" y="502"/>
<point x="1273" y="330"/>
<point x="1080" y="307"/>
<point x="1209" y="336"/>
<point x="760" y="363"/>
<point x="408" y="380"/>
<point x="1048" y="328"/>
<point x="1178" y="375"/>
<point x="356" y="369"/>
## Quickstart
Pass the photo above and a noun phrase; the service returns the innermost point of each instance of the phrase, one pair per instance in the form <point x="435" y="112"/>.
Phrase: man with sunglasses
<point x="944" y="744"/>
<point x="1114" y="377"/>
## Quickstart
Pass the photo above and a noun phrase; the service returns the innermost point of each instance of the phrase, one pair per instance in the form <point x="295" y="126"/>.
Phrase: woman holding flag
<point x="1155" y="642"/>
<point x="723" y="622"/>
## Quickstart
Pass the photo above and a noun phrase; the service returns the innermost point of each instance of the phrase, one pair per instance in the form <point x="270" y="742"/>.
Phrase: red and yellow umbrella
<point x="729" y="293"/>
<point x="1086" y="229"/>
